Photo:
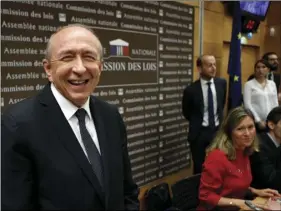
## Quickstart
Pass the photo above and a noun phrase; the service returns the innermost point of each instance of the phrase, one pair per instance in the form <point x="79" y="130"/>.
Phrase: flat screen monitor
<point x="258" y="9"/>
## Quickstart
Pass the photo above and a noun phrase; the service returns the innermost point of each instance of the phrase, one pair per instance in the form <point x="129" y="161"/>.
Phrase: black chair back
<point x="185" y="193"/>
<point x="158" y="198"/>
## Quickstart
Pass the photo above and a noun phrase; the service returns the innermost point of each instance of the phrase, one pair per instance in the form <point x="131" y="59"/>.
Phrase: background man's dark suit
<point x="277" y="80"/>
<point x="266" y="165"/>
<point x="44" y="167"/>
<point x="193" y="111"/>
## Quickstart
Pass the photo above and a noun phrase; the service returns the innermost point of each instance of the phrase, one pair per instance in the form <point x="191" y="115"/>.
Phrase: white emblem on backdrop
<point x="120" y="91"/>
<point x="62" y="17"/>
<point x="121" y="110"/>
<point x="2" y="101"/>
<point x="118" y="14"/>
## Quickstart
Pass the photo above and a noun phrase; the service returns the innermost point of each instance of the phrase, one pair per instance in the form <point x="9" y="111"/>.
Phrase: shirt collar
<point x="273" y="140"/>
<point x="66" y="106"/>
<point x="204" y="82"/>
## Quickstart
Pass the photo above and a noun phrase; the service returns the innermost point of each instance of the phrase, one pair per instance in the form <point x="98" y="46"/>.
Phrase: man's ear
<point x="100" y="67"/>
<point x="271" y="125"/>
<point x="47" y="68"/>
<point x="199" y="70"/>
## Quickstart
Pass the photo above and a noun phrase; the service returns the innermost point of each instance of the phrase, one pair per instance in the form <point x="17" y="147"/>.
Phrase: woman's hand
<point x="266" y="192"/>
<point x="242" y="205"/>
<point x="239" y="203"/>
<point x="273" y="204"/>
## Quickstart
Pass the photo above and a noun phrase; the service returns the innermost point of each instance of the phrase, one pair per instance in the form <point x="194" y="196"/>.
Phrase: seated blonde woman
<point x="226" y="175"/>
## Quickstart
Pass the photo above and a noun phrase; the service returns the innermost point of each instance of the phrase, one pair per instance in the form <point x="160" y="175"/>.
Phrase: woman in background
<point x="260" y="95"/>
<point x="226" y="175"/>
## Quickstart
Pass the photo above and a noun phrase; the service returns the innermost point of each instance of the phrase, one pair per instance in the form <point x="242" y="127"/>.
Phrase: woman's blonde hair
<point x="223" y="139"/>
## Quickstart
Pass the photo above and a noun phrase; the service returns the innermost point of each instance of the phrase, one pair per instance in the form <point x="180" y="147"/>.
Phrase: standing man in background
<point x="274" y="75"/>
<point x="203" y="105"/>
<point x="64" y="149"/>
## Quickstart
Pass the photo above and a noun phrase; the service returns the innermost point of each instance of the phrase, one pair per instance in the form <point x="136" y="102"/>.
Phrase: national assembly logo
<point x="130" y="56"/>
<point x="121" y="56"/>
<point x="119" y="47"/>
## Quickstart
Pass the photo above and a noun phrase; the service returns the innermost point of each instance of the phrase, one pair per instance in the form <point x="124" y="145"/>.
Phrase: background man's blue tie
<point x="211" y="107"/>
<point x="91" y="149"/>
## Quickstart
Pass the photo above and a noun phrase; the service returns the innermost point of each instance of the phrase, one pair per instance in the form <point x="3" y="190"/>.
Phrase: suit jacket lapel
<point x="268" y="142"/>
<point x="56" y="119"/>
<point x="96" y="111"/>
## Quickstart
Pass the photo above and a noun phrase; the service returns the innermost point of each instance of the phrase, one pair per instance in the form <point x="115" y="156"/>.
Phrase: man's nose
<point x="78" y="65"/>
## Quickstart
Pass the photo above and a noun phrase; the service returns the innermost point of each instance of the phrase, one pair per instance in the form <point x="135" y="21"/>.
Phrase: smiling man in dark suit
<point x="266" y="164"/>
<point x="202" y="105"/>
<point x="65" y="149"/>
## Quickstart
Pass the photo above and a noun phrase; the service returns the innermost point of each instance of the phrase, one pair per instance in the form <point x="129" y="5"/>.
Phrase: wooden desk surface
<point x="257" y="200"/>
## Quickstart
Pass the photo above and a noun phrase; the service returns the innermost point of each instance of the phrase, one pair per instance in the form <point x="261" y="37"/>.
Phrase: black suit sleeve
<point x="16" y="166"/>
<point x="225" y="91"/>
<point x="266" y="173"/>
<point x="187" y="103"/>
<point x="131" y="190"/>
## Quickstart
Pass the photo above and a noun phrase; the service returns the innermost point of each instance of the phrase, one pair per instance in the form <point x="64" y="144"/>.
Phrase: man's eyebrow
<point x="69" y="51"/>
<point x="66" y="51"/>
<point x="89" y="52"/>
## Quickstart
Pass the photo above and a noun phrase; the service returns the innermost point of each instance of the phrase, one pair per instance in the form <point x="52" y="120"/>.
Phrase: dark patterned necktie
<point x="211" y="106"/>
<point x="91" y="149"/>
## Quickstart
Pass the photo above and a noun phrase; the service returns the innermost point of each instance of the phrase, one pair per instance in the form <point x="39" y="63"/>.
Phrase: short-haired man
<point x="266" y="164"/>
<point x="203" y="105"/>
<point x="64" y="149"/>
